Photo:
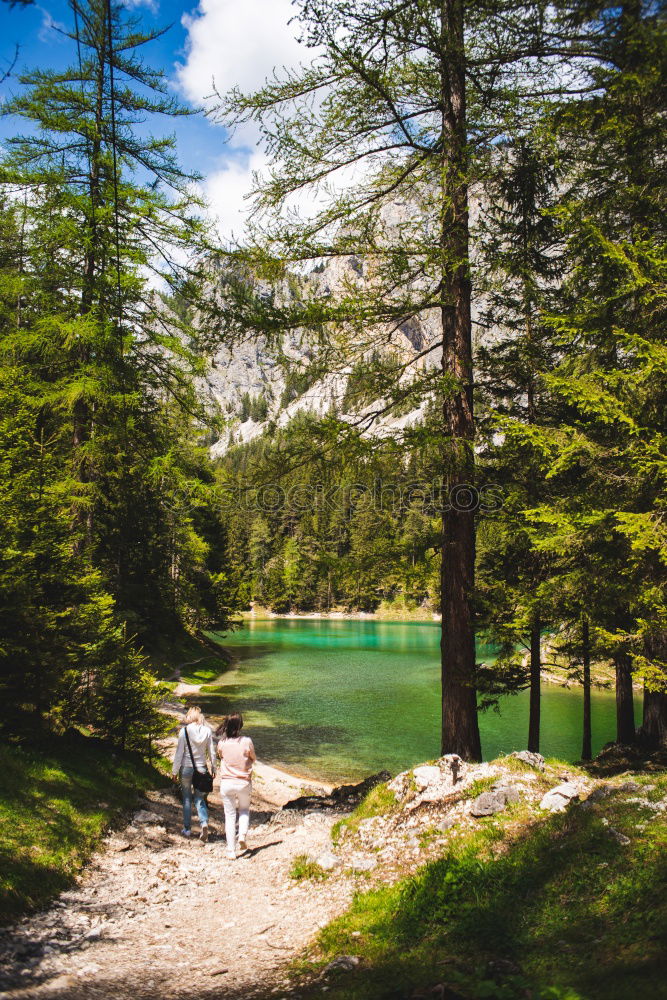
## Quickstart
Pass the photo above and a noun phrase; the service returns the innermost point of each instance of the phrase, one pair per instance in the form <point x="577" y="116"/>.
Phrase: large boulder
<point x="426" y="775"/>
<point x="430" y="782"/>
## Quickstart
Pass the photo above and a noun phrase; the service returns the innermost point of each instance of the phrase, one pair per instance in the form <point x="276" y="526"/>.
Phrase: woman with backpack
<point x="195" y="745"/>
<point x="237" y="756"/>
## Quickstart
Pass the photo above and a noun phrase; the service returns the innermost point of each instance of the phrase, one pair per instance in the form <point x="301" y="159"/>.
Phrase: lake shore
<point x="390" y="614"/>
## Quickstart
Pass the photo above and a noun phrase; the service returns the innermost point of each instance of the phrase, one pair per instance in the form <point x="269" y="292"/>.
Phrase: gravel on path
<point x="157" y="916"/>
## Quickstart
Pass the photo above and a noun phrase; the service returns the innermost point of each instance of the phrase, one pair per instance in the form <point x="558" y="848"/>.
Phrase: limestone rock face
<point x="558" y="799"/>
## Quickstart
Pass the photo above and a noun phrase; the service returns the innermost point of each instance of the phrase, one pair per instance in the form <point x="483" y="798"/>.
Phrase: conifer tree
<point x="522" y="266"/>
<point x="117" y="499"/>
<point x="410" y="100"/>
<point x="606" y="461"/>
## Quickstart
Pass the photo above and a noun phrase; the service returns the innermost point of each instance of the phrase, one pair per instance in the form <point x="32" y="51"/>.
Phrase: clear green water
<point x="342" y="699"/>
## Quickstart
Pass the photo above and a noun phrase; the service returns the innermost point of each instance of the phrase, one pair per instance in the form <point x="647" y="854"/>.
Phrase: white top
<point x="201" y="741"/>
<point x="237" y="755"/>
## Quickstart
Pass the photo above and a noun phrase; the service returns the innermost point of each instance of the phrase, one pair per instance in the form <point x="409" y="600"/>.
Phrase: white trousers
<point x="235" y="794"/>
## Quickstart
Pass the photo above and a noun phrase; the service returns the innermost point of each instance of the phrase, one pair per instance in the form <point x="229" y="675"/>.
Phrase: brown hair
<point x="231" y="726"/>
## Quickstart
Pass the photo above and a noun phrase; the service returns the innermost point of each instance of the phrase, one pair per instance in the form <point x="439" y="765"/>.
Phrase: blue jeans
<point x="200" y="801"/>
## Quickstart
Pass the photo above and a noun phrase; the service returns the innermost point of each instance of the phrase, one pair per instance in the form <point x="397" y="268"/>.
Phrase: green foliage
<point x="55" y="804"/>
<point x="378" y="802"/>
<point x="571" y="889"/>
<point x="359" y="533"/>
<point x="304" y="868"/>
<point x="110" y="534"/>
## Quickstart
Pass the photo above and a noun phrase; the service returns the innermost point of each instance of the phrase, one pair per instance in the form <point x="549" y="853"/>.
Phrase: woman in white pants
<point x="237" y="756"/>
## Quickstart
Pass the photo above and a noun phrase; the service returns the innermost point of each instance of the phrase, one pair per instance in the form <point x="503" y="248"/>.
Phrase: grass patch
<point x="479" y="786"/>
<point x="304" y="867"/>
<point x="194" y="657"/>
<point x="55" y="804"/>
<point x="204" y="672"/>
<point x="378" y="802"/>
<point x="556" y="908"/>
<point x="428" y="835"/>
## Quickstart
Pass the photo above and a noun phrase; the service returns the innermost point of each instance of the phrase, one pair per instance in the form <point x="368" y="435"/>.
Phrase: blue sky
<point x="237" y="42"/>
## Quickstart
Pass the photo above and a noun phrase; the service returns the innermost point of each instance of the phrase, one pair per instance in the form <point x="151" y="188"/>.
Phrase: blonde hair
<point x="195" y="714"/>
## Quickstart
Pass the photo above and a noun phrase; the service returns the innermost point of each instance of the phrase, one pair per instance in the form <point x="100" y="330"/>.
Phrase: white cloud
<point x="153" y="5"/>
<point x="225" y="190"/>
<point x="237" y="43"/>
<point x="50" y="30"/>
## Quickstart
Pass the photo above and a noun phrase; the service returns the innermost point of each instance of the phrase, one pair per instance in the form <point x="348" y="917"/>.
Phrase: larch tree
<point x="384" y="134"/>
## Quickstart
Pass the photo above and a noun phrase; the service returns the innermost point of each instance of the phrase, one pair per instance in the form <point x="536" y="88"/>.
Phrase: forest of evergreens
<point x="525" y="146"/>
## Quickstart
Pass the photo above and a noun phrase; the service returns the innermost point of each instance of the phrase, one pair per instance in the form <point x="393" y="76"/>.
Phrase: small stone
<point x="447" y="823"/>
<point x="511" y="792"/>
<point x="327" y="861"/>
<point x="118" y="846"/>
<point x="62" y="982"/>
<point x="619" y="837"/>
<point x="144" y="817"/>
<point x="558" y="799"/>
<point x="488" y="803"/>
<point x="629" y="786"/>
<point x="599" y="793"/>
<point x="343" y="963"/>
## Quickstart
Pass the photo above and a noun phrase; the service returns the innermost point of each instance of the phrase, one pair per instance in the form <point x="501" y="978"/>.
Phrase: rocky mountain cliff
<point x="251" y="389"/>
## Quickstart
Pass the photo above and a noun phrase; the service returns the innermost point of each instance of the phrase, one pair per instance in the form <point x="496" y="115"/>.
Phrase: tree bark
<point x="535" y="687"/>
<point x="654" y="720"/>
<point x="460" y="727"/>
<point x="653" y="732"/>
<point x="625" y="714"/>
<point x="587" y="741"/>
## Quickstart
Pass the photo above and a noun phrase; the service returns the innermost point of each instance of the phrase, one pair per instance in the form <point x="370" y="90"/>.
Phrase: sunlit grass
<point x="54" y="807"/>
<point x="524" y="904"/>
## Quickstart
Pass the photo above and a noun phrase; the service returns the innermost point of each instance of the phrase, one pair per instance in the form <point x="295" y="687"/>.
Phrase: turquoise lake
<point x="341" y="699"/>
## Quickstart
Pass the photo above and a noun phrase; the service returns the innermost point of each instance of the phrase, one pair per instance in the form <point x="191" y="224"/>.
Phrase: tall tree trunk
<point x="587" y="742"/>
<point x="535" y="679"/>
<point x="460" y="727"/>
<point x="625" y="713"/>
<point x="82" y="414"/>
<point x="653" y="732"/>
<point x="654" y="721"/>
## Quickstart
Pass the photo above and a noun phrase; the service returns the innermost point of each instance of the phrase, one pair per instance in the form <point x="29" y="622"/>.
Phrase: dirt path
<point x="156" y="916"/>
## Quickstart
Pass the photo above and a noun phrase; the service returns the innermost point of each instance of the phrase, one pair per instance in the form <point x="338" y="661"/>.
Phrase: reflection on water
<point x="341" y="699"/>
